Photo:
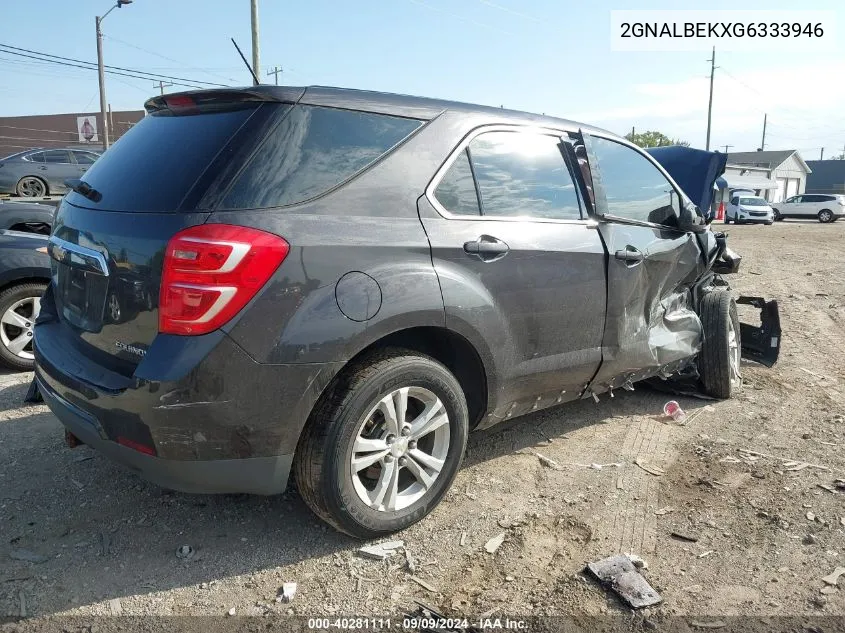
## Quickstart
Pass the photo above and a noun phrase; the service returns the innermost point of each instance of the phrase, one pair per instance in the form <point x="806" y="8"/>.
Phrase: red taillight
<point x="135" y="446"/>
<point x="211" y="272"/>
<point x="177" y="102"/>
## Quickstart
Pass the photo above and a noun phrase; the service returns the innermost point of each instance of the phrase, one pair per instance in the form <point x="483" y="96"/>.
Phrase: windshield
<point x="753" y="202"/>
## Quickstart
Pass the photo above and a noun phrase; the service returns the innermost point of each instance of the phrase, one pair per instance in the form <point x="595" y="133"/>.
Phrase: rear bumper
<point x="256" y="475"/>
<point x="216" y="421"/>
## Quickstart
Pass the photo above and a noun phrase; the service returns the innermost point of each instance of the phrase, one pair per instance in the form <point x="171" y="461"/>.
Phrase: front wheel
<point x="825" y="216"/>
<point x="384" y="444"/>
<point x="778" y="217"/>
<point x="31" y="187"/>
<point x="719" y="360"/>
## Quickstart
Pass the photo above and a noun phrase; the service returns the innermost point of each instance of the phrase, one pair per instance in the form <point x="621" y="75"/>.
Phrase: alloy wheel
<point x="16" y="327"/>
<point x="400" y="449"/>
<point x="825" y="216"/>
<point x="32" y="187"/>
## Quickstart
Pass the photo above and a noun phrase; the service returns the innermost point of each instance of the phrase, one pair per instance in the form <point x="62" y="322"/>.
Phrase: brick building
<point x="19" y="133"/>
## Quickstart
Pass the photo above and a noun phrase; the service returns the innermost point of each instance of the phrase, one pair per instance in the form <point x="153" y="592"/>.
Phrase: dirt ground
<point x="96" y="540"/>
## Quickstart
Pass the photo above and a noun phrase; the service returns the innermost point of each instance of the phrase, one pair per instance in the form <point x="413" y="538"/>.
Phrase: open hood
<point x="695" y="170"/>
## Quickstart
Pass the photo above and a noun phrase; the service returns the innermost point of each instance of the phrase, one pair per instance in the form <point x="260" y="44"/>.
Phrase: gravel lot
<point x="100" y="541"/>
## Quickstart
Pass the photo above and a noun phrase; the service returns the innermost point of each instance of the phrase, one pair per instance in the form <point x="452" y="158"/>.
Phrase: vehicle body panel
<point x="20" y="258"/>
<point x="25" y="215"/>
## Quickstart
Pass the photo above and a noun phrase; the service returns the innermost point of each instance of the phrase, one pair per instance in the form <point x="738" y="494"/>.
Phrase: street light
<point x="101" y="72"/>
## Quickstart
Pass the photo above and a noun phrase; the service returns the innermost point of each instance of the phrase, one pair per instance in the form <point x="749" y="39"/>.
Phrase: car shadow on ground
<point x="95" y="531"/>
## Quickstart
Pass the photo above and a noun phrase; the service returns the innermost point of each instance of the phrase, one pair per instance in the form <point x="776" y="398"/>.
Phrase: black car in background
<point x="28" y="217"/>
<point x="24" y="274"/>
<point x="346" y="283"/>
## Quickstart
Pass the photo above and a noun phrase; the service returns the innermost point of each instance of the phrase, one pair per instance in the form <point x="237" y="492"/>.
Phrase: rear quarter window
<point x="312" y="150"/>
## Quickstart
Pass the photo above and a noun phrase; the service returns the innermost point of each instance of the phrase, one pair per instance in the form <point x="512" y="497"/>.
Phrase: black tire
<point x="32" y="187"/>
<point x="325" y="448"/>
<point x="768" y="223"/>
<point x="718" y="317"/>
<point x="727" y="220"/>
<point x="825" y="216"/>
<point x="778" y="216"/>
<point x="8" y="298"/>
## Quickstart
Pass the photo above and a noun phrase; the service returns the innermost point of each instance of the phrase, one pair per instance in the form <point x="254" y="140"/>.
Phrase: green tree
<point x="651" y="138"/>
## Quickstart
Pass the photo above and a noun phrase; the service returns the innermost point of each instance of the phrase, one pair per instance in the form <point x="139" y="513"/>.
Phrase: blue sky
<point x="547" y="56"/>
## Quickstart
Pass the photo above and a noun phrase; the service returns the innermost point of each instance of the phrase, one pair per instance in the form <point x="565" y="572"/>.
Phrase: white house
<point x="775" y="175"/>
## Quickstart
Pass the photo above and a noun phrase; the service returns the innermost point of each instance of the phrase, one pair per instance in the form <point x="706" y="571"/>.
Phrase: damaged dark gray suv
<point x="343" y="284"/>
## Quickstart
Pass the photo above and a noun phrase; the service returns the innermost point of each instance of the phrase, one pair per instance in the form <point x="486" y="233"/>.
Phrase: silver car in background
<point x="42" y="172"/>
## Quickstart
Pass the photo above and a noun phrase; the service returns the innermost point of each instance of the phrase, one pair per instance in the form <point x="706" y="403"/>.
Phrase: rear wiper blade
<point x="83" y="188"/>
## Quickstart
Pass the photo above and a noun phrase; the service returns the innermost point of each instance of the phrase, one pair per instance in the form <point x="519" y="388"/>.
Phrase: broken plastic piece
<point x="673" y="410"/>
<point x="761" y="344"/>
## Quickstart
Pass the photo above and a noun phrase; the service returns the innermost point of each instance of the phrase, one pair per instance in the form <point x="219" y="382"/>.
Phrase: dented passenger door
<point x="651" y="326"/>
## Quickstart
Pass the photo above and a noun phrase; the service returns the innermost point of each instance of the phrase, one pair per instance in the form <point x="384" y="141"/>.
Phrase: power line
<point x="170" y="59"/>
<point x="69" y="61"/>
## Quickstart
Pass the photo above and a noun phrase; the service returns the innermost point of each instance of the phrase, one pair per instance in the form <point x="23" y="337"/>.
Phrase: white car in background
<point x="745" y="208"/>
<point x="824" y="207"/>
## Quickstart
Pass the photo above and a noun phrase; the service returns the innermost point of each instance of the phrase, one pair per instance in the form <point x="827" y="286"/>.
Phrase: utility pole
<point x="101" y="73"/>
<point x="726" y="148"/>
<point x="104" y="132"/>
<point x="763" y="143"/>
<point x="256" y="61"/>
<point x="161" y="86"/>
<point x="276" y="70"/>
<point x="712" y="61"/>
<point x="821" y="156"/>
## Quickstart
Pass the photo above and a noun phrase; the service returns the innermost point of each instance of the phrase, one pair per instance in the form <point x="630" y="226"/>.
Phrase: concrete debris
<point x="410" y="563"/>
<point x="287" y="592"/>
<point x="706" y="554"/>
<point x="425" y="585"/>
<point x="463" y="540"/>
<point x="842" y="521"/>
<point x="833" y="577"/>
<point x="381" y="551"/>
<point x="28" y="556"/>
<point x="494" y="543"/>
<point x="714" y="624"/>
<point x="662" y="511"/>
<point x="684" y="537"/>
<point x="620" y="575"/>
<point x="810" y="516"/>
<point x="231" y="611"/>
<point x="185" y="552"/>
<point x="828" y="590"/>
<point x="652" y="470"/>
<point x="115" y="607"/>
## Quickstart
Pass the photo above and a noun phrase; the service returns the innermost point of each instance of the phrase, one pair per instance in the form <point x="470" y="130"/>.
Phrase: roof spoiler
<point x="194" y="101"/>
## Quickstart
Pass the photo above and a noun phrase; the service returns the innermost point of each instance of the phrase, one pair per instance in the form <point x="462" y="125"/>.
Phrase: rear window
<point x="312" y="150"/>
<point x="153" y="165"/>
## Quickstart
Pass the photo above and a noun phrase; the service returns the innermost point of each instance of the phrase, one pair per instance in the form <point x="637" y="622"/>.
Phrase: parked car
<point x="42" y="172"/>
<point x="827" y="208"/>
<point x="748" y="209"/>
<point x="29" y="217"/>
<point x="24" y="274"/>
<point x="348" y="282"/>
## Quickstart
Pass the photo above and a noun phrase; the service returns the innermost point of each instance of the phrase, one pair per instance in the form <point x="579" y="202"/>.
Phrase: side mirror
<point x="690" y="219"/>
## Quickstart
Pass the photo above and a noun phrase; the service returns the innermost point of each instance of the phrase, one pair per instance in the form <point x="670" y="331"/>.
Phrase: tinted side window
<point x="84" y="158"/>
<point x="312" y="150"/>
<point x="37" y="157"/>
<point x="57" y="156"/>
<point x="634" y="187"/>
<point x="456" y="192"/>
<point x="523" y="174"/>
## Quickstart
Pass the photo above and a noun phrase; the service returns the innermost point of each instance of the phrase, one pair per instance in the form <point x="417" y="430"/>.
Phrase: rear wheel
<point x="825" y="216"/>
<point x="719" y="360"/>
<point x="19" y="307"/>
<point x="383" y="446"/>
<point x="31" y="187"/>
